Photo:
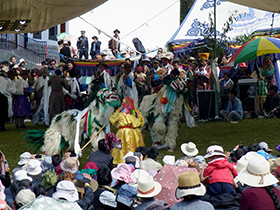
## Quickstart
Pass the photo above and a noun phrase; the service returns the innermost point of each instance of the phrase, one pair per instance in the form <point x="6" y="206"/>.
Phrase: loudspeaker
<point x="206" y="103"/>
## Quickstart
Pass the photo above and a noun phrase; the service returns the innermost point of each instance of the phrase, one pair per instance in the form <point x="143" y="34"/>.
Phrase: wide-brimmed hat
<point x="21" y="175"/>
<point x="79" y="184"/>
<point x="146" y="59"/>
<point x="123" y="172"/>
<point x="275" y="165"/>
<point x="214" y="150"/>
<point x="24" y="158"/>
<point x="71" y="164"/>
<point x="147" y="187"/>
<point x="257" y="173"/>
<point x="127" y="194"/>
<point x="22" y="61"/>
<point x="94" y="37"/>
<point x="241" y="164"/>
<point x="168" y="159"/>
<point x="117" y="30"/>
<point x="24" y="197"/>
<point x="203" y="56"/>
<point x="189" y="149"/>
<point x="67" y="190"/>
<point x="34" y="167"/>
<point x="189" y="184"/>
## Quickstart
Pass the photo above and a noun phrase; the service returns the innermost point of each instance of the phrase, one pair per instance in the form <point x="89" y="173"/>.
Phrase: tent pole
<point x="215" y="35"/>
<point x="215" y="55"/>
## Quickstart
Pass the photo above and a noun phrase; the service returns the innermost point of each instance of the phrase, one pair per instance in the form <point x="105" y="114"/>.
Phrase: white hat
<point x="34" y="167"/>
<point x="257" y="173"/>
<point x="189" y="184"/>
<point x="131" y="154"/>
<point x="147" y="187"/>
<point x="214" y="150"/>
<point x="189" y="149"/>
<point x="21" y="175"/>
<point x="24" y="197"/>
<point x="241" y="163"/>
<point x="169" y="159"/>
<point x="67" y="190"/>
<point x="22" y="61"/>
<point x="24" y="158"/>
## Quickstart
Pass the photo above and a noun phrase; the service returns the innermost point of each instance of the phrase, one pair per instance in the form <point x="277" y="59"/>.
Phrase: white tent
<point x="267" y="5"/>
<point x="248" y="20"/>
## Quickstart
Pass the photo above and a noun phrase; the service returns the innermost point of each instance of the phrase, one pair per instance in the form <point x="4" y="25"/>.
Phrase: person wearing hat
<point x="34" y="171"/>
<point x="126" y="197"/>
<point x="22" y="62"/>
<point x="24" y="159"/>
<point x="24" y="197"/>
<point x="113" y="44"/>
<point x="82" y="45"/>
<point x="147" y="190"/>
<point x="157" y="76"/>
<point x="240" y="73"/>
<point x="234" y="111"/>
<point x="21" y="101"/>
<point x="262" y="194"/>
<point x="166" y="59"/>
<point x="140" y="81"/>
<point x="268" y="71"/>
<point x="41" y="96"/>
<point x="190" y="190"/>
<point x="271" y="106"/>
<point x="65" y="52"/>
<point x="203" y="61"/>
<point x="219" y="173"/>
<point x="126" y="85"/>
<point x="101" y="78"/>
<point x="56" y="100"/>
<point x="151" y="161"/>
<point x="5" y="94"/>
<point x="95" y="47"/>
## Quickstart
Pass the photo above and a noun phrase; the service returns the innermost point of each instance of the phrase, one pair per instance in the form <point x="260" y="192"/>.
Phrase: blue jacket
<point x="237" y="106"/>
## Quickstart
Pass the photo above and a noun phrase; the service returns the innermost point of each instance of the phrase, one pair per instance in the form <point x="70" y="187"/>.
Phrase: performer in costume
<point x="21" y="101"/>
<point x="128" y="120"/>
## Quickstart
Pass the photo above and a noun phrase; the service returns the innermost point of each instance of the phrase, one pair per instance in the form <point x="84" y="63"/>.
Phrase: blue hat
<point x="263" y="153"/>
<point x="127" y="194"/>
<point x="82" y="32"/>
<point x="199" y="159"/>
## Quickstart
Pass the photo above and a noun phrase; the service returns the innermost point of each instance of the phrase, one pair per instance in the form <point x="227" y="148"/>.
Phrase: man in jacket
<point x="82" y="45"/>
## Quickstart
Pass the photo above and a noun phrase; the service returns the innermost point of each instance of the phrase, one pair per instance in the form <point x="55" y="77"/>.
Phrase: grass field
<point x="222" y="133"/>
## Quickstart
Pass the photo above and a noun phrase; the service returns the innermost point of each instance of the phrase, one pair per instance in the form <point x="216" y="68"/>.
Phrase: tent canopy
<point x="267" y="5"/>
<point x="32" y="16"/>
<point x="248" y="20"/>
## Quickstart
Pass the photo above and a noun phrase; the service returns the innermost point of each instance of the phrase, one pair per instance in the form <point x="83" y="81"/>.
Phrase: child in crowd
<point x="219" y="173"/>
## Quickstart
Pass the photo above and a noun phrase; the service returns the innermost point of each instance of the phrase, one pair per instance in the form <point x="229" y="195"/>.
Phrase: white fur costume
<point x="64" y="125"/>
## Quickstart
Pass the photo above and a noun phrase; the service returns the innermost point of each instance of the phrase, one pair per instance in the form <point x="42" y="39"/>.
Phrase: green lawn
<point x="222" y="133"/>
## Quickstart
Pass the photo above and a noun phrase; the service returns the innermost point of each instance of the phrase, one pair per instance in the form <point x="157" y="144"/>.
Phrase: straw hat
<point x="189" y="184"/>
<point x="214" y="150"/>
<point x="80" y="185"/>
<point x="147" y="187"/>
<point x="71" y="164"/>
<point x="189" y="149"/>
<point x="34" y="167"/>
<point x="257" y="173"/>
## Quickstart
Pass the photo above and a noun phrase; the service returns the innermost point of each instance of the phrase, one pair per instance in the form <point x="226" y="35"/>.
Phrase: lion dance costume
<point x="128" y="120"/>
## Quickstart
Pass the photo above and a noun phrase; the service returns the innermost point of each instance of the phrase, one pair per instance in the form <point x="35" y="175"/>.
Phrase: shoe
<point x="162" y="146"/>
<point x="234" y="122"/>
<point x="27" y="120"/>
<point x="261" y="117"/>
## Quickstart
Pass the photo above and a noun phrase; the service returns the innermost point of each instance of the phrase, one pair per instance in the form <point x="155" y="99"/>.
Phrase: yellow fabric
<point x="266" y="47"/>
<point x="130" y="137"/>
<point x="23" y="16"/>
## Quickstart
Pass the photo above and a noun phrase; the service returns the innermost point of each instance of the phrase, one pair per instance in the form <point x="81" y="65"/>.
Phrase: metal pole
<point x="215" y="34"/>
<point x="272" y="24"/>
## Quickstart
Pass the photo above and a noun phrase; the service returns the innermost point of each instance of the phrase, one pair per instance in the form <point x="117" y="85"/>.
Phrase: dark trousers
<point x="3" y="110"/>
<point x="83" y="53"/>
<point x="219" y="188"/>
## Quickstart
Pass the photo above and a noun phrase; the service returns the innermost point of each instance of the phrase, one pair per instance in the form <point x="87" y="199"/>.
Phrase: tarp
<point x="32" y="16"/>
<point x="267" y="5"/>
<point x="248" y="20"/>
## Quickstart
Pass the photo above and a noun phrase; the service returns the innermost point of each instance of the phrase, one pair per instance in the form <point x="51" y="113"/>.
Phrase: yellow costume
<point x="128" y="120"/>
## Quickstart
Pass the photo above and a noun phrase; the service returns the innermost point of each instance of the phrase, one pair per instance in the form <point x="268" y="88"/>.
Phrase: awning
<point x="32" y="16"/>
<point x="266" y="5"/>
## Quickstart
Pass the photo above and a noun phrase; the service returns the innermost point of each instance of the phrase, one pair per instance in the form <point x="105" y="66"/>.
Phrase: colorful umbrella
<point x="168" y="178"/>
<point x="62" y="35"/>
<point x="251" y="50"/>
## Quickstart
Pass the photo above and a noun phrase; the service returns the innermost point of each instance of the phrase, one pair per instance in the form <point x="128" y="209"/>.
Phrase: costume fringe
<point x="35" y="138"/>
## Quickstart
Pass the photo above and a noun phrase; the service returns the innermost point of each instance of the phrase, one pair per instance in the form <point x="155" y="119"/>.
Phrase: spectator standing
<point x="115" y="45"/>
<point x="95" y="47"/>
<point x="82" y="45"/>
<point x="4" y="95"/>
<point x="65" y="51"/>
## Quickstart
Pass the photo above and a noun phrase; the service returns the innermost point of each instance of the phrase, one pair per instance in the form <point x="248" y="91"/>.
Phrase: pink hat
<point x="243" y="65"/>
<point x="123" y="172"/>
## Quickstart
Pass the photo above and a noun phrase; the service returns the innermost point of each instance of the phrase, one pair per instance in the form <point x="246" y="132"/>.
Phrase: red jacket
<point x="220" y="170"/>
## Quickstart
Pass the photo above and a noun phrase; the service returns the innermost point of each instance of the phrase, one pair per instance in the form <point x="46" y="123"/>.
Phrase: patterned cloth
<point x="21" y="106"/>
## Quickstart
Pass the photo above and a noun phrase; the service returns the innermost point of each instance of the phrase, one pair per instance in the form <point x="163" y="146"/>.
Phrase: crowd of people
<point x="245" y="178"/>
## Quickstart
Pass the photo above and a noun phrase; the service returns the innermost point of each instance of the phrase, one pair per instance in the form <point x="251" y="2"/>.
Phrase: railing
<point x="30" y="50"/>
